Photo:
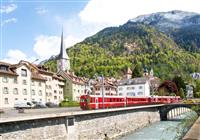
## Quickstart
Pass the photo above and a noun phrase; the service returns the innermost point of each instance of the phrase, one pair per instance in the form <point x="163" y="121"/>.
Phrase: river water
<point x="163" y="130"/>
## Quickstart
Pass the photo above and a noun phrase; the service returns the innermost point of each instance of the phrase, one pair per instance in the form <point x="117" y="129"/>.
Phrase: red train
<point x="96" y="102"/>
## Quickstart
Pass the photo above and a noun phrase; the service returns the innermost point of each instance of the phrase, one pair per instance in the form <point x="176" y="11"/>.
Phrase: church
<point x="74" y="85"/>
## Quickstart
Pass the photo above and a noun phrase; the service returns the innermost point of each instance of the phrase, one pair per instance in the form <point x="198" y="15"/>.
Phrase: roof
<point x="134" y="81"/>
<point x="62" y="54"/>
<point x="72" y="77"/>
<point x="58" y="77"/>
<point x="106" y="83"/>
<point x="36" y="70"/>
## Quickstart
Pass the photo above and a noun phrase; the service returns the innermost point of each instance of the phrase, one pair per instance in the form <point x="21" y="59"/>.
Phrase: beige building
<point x="25" y="82"/>
<point x="74" y="86"/>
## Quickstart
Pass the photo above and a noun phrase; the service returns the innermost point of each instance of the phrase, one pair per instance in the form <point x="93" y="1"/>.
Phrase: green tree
<point x="181" y="92"/>
<point x="178" y="80"/>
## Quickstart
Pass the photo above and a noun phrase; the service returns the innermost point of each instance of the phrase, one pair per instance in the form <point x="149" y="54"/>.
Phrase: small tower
<point x="145" y="73"/>
<point x="151" y="73"/>
<point x="129" y="73"/>
<point x="63" y="61"/>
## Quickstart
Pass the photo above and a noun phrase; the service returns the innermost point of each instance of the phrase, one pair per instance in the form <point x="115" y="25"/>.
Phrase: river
<point x="163" y="130"/>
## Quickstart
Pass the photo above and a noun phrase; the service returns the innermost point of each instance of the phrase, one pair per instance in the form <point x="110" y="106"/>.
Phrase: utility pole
<point x="102" y="91"/>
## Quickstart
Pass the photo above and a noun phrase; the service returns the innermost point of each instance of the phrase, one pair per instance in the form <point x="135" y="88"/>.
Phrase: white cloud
<point x="10" y="20"/>
<point x="14" y="56"/>
<point x="46" y="46"/>
<point x="8" y="8"/>
<point x="116" y="12"/>
<point x="41" y="11"/>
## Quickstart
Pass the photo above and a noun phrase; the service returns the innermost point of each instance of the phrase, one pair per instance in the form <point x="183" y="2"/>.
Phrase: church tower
<point x="129" y="73"/>
<point x="63" y="61"/>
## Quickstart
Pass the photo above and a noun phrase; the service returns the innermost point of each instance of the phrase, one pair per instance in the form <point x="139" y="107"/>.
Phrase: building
<point x="134" y="87"/>
<point x="74" y="86"/>
<point x="54" y="85"/>
<point x="63" y="61"/>
<point x="189" y="91"/>
<point x="108" y="87"/>
<point x="25" y="82"/>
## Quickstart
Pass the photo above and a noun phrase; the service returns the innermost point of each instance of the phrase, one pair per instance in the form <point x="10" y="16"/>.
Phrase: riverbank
<point x="194" y="132"/>
<point x="164" y="130"/>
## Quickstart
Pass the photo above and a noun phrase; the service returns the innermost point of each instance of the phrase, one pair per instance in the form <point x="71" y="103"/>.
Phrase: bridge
<point x="165" y="109"/>
<point x="89" y="124"/>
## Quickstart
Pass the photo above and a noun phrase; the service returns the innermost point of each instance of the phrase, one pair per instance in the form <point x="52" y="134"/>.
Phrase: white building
<point x="189" y="91"/>
<point x="25" y="82"/>
<point x="134" y="87"/>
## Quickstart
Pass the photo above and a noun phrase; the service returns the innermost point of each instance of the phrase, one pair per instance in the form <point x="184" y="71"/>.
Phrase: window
<point x="33" y="92"/>
<point x="55" y="97"/>
<point x="120" y="88"/>
<point x="25" y="91"/>
<point x="24" y="72"/>
<point x="15" y="80"/>
<point x="15" y="91"/>
<point x="25" y="99"/>
<point x="5" y="79"/>
<point x="140" y="87"/>
<point x="4" y="68"/>
<point x="16" y="99"/>
<point x="140" y="93"/>
<point x="120" y="94"/>
<point x="130" y="94"/>
<point x="55" y="91"/>
<point x="40" y="100"/>
<point x="5" y="90"/>
<point x="6" y="101"/>
<point x="130" y="88"/>
<point x="24" y="82"/>
<point x="32" y="83"/>
<point x="40" y="84"/>
<point x="40" y="93"/>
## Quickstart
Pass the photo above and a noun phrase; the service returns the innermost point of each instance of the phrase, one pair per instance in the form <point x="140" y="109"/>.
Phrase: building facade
<point x="22" y="82"/>
<point x="106" y="87"/>
<point x="134" y="87"/>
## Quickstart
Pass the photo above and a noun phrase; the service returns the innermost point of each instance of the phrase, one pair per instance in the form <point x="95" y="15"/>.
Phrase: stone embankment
<point x="83" y="125"/>
<point x="194" y="132"/>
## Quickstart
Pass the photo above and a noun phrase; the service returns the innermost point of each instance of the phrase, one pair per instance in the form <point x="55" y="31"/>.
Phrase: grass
<point x="69" y="104"/>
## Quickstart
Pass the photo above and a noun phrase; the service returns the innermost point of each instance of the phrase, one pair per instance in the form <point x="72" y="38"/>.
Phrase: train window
<point x="82" y="100"/>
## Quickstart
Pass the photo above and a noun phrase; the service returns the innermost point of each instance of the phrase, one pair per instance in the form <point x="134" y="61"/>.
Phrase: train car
<point x="131" y="101"/>
<point x="96" y="102"/>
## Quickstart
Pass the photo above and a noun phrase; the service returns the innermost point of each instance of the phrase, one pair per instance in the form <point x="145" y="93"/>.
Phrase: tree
<point x="181" y="92"/>
<point x="179" y="83"/>
<point x="169" y="87"/>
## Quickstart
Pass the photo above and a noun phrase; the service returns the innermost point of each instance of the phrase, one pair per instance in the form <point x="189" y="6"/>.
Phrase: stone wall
<point x="116" y="125"/>
<point x="84" y="125"/>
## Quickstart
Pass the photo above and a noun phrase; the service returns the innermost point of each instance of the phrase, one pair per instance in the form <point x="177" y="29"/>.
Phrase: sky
<point x="31" y="29"/>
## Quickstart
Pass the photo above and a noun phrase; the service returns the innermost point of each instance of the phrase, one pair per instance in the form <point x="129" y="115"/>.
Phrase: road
<point x="12" y="113"/>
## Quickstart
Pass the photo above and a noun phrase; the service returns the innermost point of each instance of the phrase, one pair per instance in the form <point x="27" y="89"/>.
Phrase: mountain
<point x="136" y="45"/>
<point x="183" y="27"/>
<point x="165" y="21"/>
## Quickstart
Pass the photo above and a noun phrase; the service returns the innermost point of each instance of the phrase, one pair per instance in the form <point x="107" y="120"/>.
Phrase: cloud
<point x="10" y="20"/>
<point x="46" y="46"/>
<point x="8" y="8"/>
<point x="116" y="12"/>
<point x="41" y="11"/>
<point x="14" y="56"/>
